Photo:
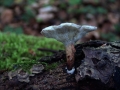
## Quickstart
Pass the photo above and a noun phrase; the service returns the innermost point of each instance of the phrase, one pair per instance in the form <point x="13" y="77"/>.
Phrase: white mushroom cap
<point x="89" y="28"/>
<point x="84" y="30"/>
<point x="67" y="33"/>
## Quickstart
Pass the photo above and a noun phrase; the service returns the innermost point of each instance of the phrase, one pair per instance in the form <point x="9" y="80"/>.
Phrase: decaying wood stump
<point x="100" y="62"/>
<point x="97" y="60"/>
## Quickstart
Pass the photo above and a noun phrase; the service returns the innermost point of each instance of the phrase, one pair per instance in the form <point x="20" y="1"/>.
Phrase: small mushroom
<point x="68" y="34"/>
<point x="12" y="74"/>
<point x="23" y="76"/>
<point x="37" y="68"/>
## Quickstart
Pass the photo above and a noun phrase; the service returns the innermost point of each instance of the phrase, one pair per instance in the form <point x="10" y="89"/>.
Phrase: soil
<point x="58" y="79"/>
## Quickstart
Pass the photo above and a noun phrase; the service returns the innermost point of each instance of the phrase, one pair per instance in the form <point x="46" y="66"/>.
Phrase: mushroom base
<point x="71" y="71"/>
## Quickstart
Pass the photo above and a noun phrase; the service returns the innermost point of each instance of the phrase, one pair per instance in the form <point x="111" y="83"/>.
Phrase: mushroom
<point x="68" y="34"/>
<point x="23" y="76"/>
<point x="12" y="74"/>
<point x="37" y="68"/>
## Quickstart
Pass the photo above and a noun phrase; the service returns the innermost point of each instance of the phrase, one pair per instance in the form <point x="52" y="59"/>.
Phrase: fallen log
<point x="97" y="66"/>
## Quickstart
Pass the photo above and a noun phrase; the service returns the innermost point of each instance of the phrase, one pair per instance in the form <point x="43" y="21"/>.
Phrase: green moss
<point x="21" y="51"/>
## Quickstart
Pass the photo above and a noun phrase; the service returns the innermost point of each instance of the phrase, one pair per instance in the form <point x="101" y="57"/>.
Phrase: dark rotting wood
<point x="47" y="50"/>
<point x="58" y="79"/>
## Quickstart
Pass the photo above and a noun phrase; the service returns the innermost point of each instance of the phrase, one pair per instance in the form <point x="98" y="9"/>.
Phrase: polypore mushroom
<point x="68" y="34"/>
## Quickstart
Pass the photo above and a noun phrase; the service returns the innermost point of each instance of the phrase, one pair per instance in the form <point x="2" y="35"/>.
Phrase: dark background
<point x="31" y="16"/>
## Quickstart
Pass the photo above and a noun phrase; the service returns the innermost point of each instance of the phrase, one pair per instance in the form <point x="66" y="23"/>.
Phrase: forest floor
<point x="58" y="79"/>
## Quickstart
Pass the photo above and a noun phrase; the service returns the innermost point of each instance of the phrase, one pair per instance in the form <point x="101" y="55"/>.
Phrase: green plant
<point x="17" y="30"/>
<point x="75" y="2"/>
<point x="6" y="3"/>
<point x="29" y="13"/>
<point x="110" y="36"/>
<point x="101" y="10"/>
<point x="20" y="51"/>
<point x="117" y="28"/>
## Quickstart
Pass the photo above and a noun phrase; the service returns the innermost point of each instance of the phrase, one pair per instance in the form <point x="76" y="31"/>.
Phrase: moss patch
<point x="21" y="50"/>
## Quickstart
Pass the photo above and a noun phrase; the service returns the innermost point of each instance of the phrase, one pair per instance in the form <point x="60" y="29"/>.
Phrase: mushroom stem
<point x="70" y="50"/>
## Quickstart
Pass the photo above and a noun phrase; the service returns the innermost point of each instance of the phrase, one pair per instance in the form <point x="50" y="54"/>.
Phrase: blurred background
<point x="31" y="16"/>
